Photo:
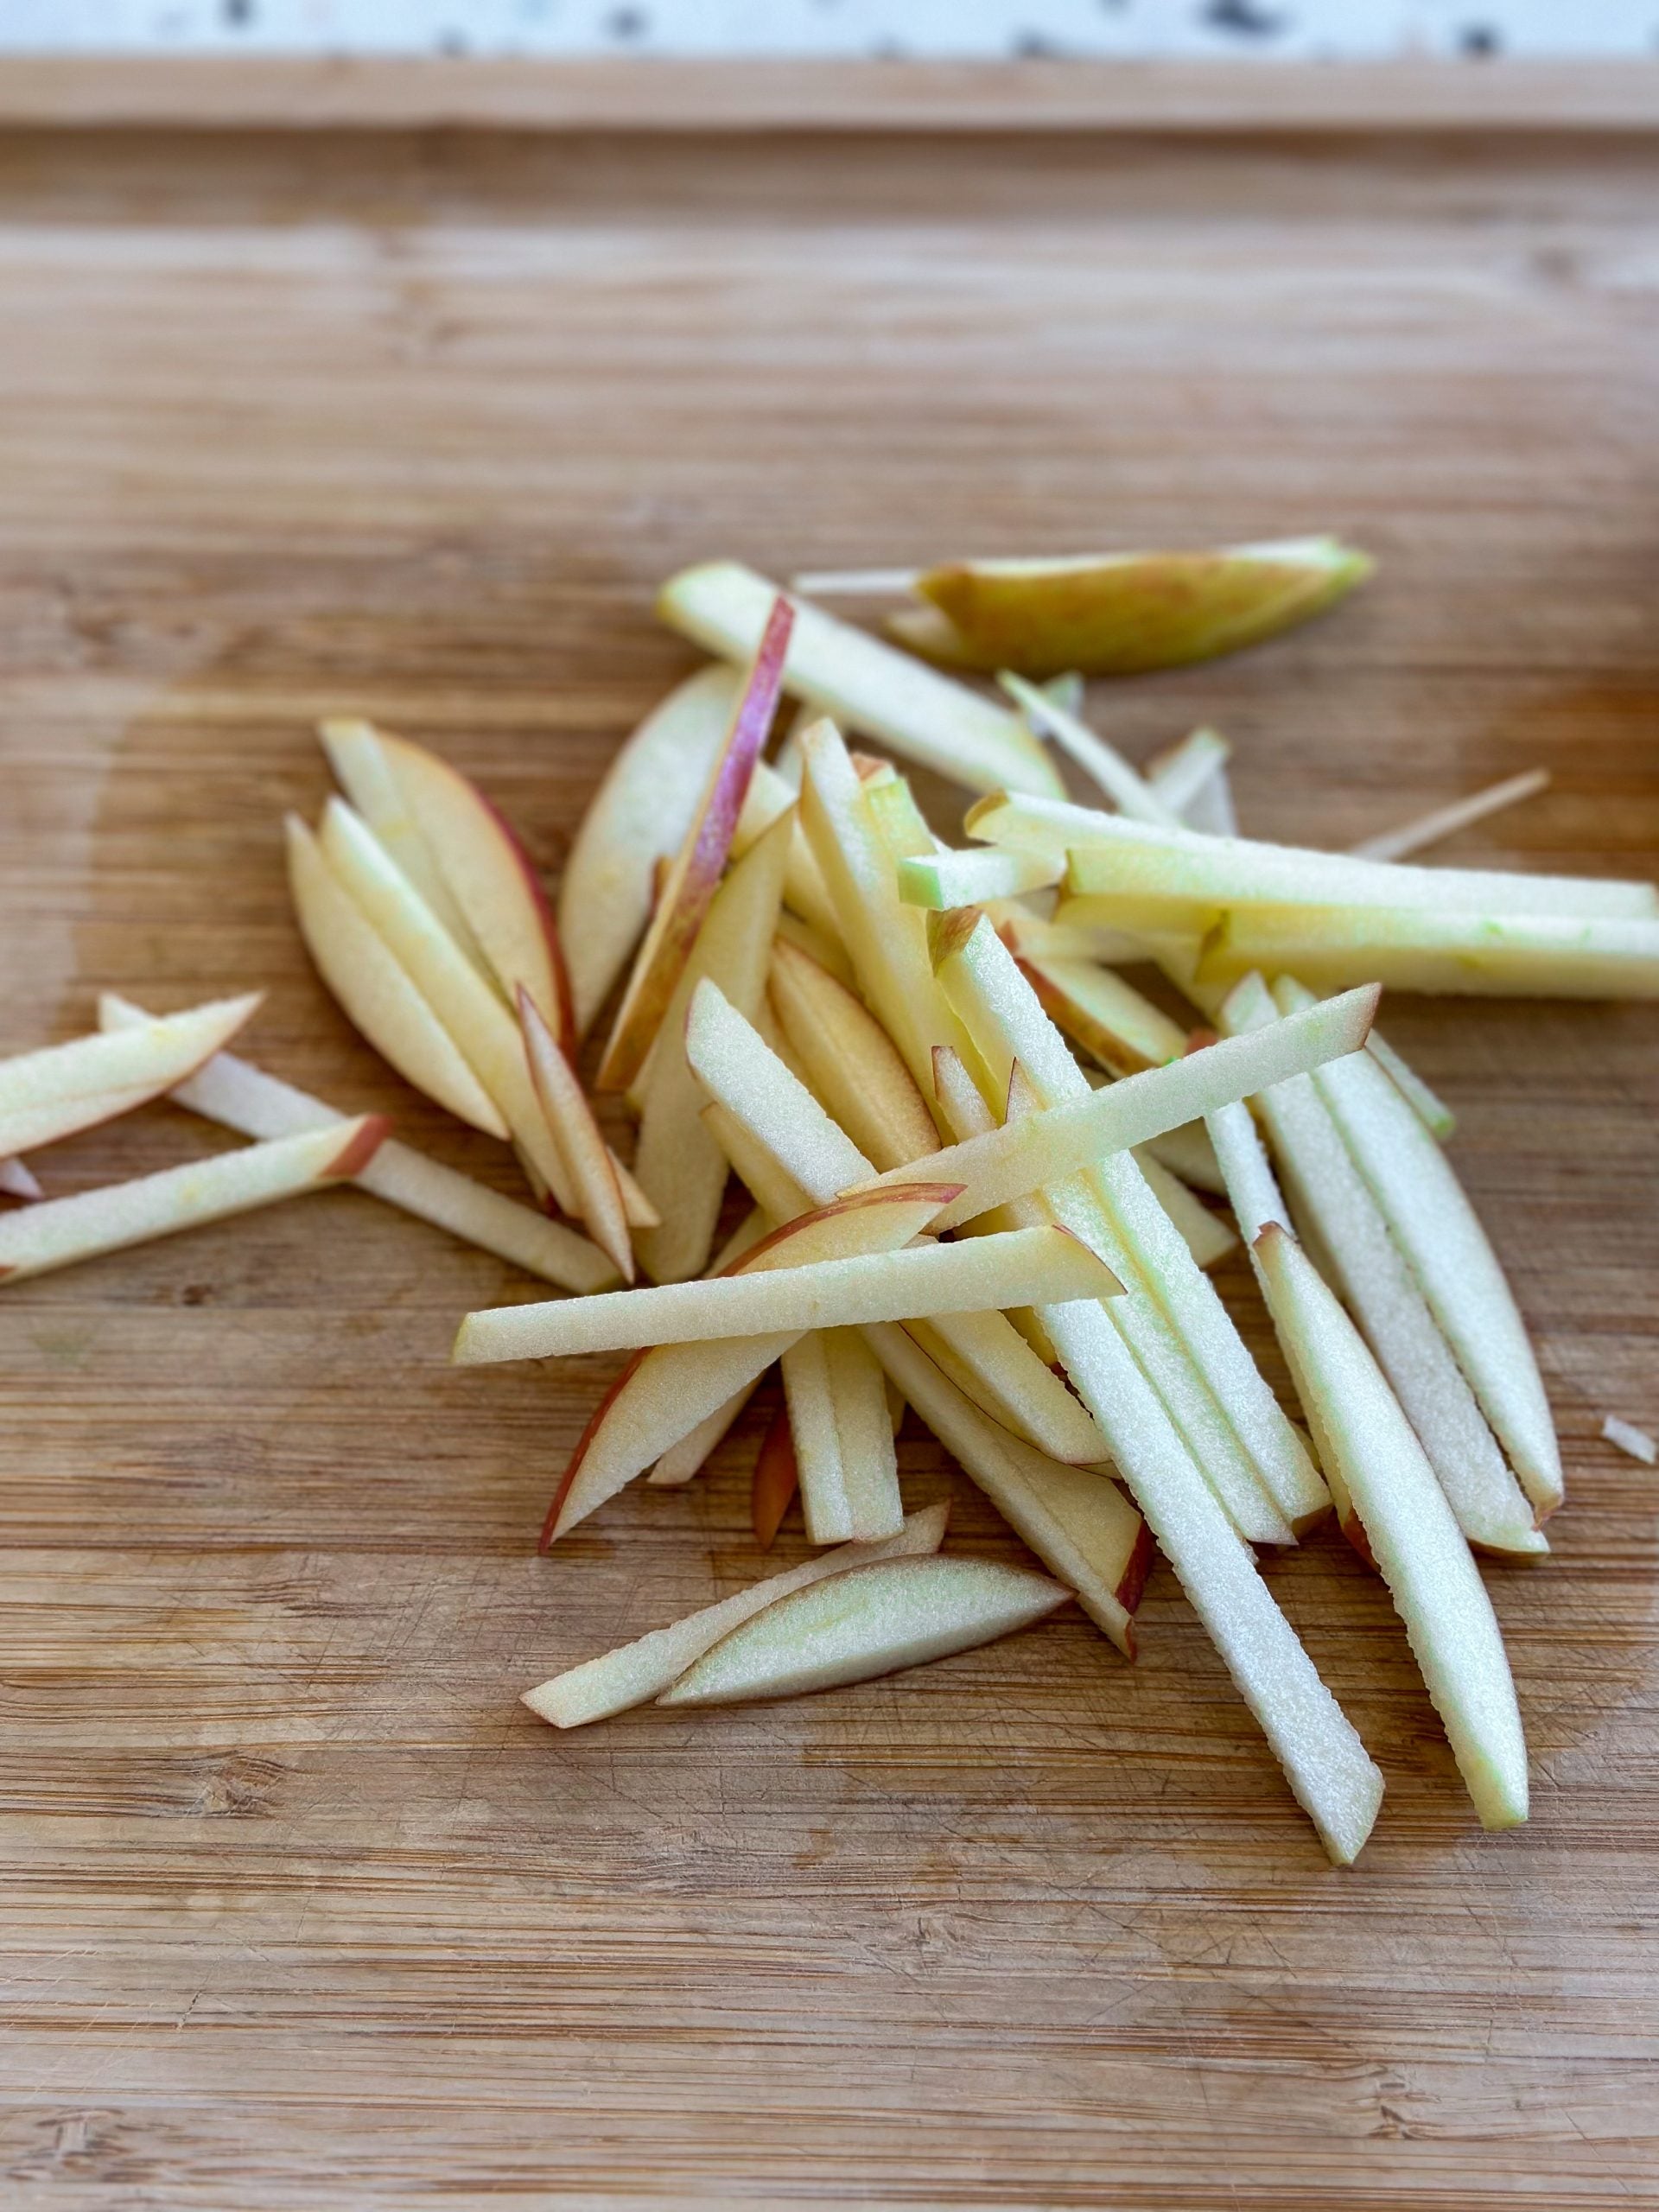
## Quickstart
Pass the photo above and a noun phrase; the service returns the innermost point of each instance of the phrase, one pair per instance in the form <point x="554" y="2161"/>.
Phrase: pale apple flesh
<point x="1113" y="1022"/>
<point x="638" y="816"/>
<point x="376" y="992"/>
<point x="682" y="1462"/>
<point x="1443" y="822"/>
<point x="62" y="1089"/>
<point x="1413" y="1536"/>
<point x="61" y="1231"/>
<point x="1123" y="613"/>
<point x="634" y="1672"/>
<point x="18" y="1180"/>
<point x="238" y="1096"/>
<point x="865" y="685"/>
<point x="596" y="1191"/>
<point x="358" y="755"/>
<point x="695" y="873"/>
<point x="1024" y="1267"/>
<point x="666" y="1391"/>
<point x="1191" y="779"/>
<point x="837" y="1400"/>
<point x="849" y="1060"/>
<point x="869" y="1621"/>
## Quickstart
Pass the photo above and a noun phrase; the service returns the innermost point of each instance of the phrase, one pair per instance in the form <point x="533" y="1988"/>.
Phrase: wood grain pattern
<point x="298" y="1907"/>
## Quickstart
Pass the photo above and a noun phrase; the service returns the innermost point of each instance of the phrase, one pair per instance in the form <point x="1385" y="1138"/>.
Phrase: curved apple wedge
<point x="63" y="1231"/>
<point x="491" y="879"/>
<point x="638" y="816"/>
<point x="1122" y="613"/>
<point x="872" y="1620"/>
<point x="1366" y="1442"/>
<point x="693" y="874"/>
<point x="636" y="1672"/>
<point x="375" y="991"/>
<point x="63" y="1087"/>
<point x="358" y="755"/>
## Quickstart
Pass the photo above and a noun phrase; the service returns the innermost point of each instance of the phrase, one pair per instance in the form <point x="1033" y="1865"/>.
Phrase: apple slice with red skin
<point x="664" y="1393"/>
<point x="634" y="822"/>
<point x="238" y="1096"/>
<point x="375" y="991"/>
<point x="62" y="1088"/>
<point x="777" y="1479"/>
<point x="695" y="876"/>
<point x="596" y="1185"/>
<point x="490" y="877"/>
<point x="636" y="1672"/>
<point x="61" y="1231"/>
<point x="871" y="1620"/>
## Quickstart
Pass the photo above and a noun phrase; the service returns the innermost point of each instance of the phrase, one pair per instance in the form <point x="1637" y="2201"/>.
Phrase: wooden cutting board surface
<point x="298" y="1907"/>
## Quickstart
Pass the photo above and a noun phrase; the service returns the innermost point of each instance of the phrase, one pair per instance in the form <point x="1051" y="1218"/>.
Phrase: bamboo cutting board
<point x="298" y="1907"/>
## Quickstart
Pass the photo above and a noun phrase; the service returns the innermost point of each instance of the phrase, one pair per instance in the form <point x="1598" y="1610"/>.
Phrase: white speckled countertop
<point x="1279" y="29"/>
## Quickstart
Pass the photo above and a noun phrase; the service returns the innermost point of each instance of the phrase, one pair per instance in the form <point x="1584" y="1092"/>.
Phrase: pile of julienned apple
<point x="973" y="1147"/>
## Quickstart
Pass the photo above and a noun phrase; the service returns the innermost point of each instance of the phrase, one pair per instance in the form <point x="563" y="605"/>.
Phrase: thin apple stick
<point x="1634" y="1442"/>
<point x="856" y="584"/>
<point x="1024" y="1267"/>
<point x="1123" y="784"/>
<point x="1115" y="1024"/>
<point x="944" y="879"/>
<point x="595" y="1185"/>
<point x="867" y="685"/>
<point x="636" y="1672"/>
<point x="18" y="1180"/>
<point x="1443" y="822"/>
<point x="1416" y="1542"/>
<point x="364" y="772"/>
<point x="1045" y="1147"/>
<point x="238" y="1096"/>
<point x="1191" y="779"/>
<point x="61" y="1231"/>
<point x="1431" y="1110"/>
<point x="1504" y="956"/>
<point x="62" y="1088"/>
<point x="686" y="1459"/>
<point x="842" y="1436"/>
<point x="850" y="1061"/>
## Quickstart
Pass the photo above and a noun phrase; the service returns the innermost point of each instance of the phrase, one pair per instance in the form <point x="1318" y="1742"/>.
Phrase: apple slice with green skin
<point x="1191" y="779"/>
<point x="845" y="672"/>
<point x="1334" y="1780"/>
<point x="1023" y="1267"/>
<point x="491" y="879"/>
<point x="1442" y="822"/>
<point x="596" y="1191"/>
<point x="1450" y="955"/>
<point x="1360" y="1258"/>
<point x="942" y="880"/>
<point x="662" y="1395"/>
<point x="870" y="1621"/>
<point x="1003" y="1013"/>
<point x="18" y="1182"/>
<point x="849" y="1060"/>
<point x="472" y="1014"/>
<point x="1421" y="1553"/>
<point x="61" y="1231"/>
<point x="359" y="755"/>
<point x="1432" y="1221"/>
<point x="239" y="1096"/>
<point x="1075" y="1520"/>
<point x="695" y="873"/>
<point x="376" y="992"/>
<point x="837" y="1400"/>
<point x="635" y="1673"/>
<point x="764" y="1103"/>
<point x="682" y="1168"/>
<point x="1112" y="858"/>
<point x="886" y="940"/>
<point x="638" y="816"/>
<point x="63" y="1087"/>
<point x="1123" y="613"/>
<point x="777" y="1478"/>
